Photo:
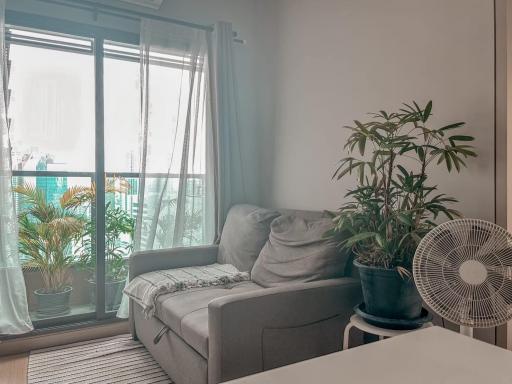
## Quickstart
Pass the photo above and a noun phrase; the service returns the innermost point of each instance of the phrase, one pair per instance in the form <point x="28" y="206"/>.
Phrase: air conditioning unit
<point x="155" y="4"/>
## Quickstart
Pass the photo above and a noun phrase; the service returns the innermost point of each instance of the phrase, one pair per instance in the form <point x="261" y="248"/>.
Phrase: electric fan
<point x="463" y="271"/>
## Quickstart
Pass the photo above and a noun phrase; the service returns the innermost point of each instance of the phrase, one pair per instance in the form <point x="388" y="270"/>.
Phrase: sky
<point x="52" y="109"/>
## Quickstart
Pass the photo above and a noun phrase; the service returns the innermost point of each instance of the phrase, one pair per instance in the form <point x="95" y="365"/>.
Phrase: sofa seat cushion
<point x="186" y="312"/>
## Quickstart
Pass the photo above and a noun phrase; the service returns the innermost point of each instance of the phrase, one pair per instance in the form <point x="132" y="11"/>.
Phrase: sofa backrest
<point x="303" y="213"/>
<point x="247" y="229"/>
<point x="350" y="270"/>
<point x="298" y="252"/>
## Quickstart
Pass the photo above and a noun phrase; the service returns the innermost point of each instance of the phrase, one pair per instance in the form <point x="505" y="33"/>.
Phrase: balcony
<point x="85" y="280"/>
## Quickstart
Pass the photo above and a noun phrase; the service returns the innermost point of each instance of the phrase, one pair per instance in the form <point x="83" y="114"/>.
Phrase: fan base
<point x="397" y="324"/>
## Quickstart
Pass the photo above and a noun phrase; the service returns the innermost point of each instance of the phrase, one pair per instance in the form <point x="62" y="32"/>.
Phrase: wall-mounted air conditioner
<point x="155" y="4"/>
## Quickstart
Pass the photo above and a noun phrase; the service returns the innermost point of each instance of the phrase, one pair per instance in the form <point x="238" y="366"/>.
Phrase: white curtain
<point x="14" y="316"/>
<point x="227" y="128"/>
<point x="176" y="199"/>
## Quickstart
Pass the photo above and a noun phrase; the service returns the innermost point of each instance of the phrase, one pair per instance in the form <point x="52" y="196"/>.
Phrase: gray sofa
<point x="211" y="335"/>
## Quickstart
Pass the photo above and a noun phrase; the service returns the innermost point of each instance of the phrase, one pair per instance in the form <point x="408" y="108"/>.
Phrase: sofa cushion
<point x="186" y="312"/>
<point x="244" y="234"/>
<point x="297" y="251"/>
<point x="304" y="214"/>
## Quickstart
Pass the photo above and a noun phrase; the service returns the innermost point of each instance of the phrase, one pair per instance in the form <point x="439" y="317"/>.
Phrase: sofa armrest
<point x="237" y="323"/>
<point x="147" y="261"/>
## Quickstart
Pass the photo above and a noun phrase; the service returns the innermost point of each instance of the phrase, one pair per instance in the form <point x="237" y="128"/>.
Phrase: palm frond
<point x="31" y="194"/>
<point x="77" y="195"/>
<point x="86" y="195"/>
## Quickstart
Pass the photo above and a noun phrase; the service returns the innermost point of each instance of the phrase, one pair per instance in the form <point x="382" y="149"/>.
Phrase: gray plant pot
<point x="113" y="293"/>
<point x="53" y="304"/>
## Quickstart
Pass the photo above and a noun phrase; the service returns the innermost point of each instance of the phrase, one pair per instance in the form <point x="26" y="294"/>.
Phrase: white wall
<point x="338" y="59"/>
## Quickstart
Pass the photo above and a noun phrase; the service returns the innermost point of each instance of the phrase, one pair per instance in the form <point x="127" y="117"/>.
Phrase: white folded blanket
<point x="146" y="288"/>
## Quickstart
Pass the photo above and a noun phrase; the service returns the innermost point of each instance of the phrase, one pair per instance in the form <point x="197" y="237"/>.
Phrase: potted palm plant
<point x="119" y="230"/>
<point x="393" y="205"/>
<point x="46" y="232"/>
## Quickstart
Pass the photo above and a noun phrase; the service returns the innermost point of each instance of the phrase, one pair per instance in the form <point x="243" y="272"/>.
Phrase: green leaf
<point x="451" y="126"/>
<point x="403" y="170"/>
<point x="362" y="144"/>
<point x="379" y="240"/>
<point x="455" y="160"/>
<point x="465" y="150"/>
<point x="427" y="111"/>
<point x="405" y="219"/>
<point x="359" y="237"/>
<point x="359" y="125"/>
<point x="462" y="138"/>
<point x="421" y="153"/>
<point x="448" y="161"/>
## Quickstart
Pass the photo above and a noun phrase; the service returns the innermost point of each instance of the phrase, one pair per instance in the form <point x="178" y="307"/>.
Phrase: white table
<point x="428" y="356"/>
<point x="358" y="322"/>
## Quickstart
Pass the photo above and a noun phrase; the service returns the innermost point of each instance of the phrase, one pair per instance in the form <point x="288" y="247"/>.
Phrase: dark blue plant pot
<point x="387" y="294"/>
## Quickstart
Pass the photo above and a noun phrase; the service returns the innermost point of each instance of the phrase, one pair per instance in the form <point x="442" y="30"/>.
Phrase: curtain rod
<point x="129" y="14"/>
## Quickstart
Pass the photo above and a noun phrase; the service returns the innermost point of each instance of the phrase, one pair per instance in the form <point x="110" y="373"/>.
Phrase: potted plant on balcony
<point x="46" y="232"/>
<point x="119" y="230"/>
<point x="393" y="205"/>
<point x="117" y="223"/>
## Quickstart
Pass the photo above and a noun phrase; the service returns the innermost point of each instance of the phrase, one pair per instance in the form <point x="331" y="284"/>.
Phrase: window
<point x="55" y="153"/>
<point x="75" y="118"/>
<point x="51" y="102"/>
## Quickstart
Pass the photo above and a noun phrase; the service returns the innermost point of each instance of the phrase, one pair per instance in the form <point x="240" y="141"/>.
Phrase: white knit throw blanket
<point x="146" y="288"/>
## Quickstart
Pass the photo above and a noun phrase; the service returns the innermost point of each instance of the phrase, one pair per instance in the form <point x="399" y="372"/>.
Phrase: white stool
<point x="361" y="324"/>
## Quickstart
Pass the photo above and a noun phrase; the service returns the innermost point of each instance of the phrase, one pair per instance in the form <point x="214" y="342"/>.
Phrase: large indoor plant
<point x="393" y="204"/>
<point x="119" y="230"/>
<point x="46" y="232"/>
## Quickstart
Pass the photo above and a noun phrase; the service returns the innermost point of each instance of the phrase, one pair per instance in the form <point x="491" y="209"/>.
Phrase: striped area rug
<point x="114" y="360"/>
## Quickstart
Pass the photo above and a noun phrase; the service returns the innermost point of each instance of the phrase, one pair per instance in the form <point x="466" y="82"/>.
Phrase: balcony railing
<point x="87" y="305"/>
<point x="91" y="175"/>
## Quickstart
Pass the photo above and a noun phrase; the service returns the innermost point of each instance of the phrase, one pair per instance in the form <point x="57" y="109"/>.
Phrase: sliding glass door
<point x="74" y="128"/>
<point x="52" y="129"/>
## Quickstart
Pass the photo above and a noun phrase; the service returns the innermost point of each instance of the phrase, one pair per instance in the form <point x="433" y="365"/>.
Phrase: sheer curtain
<point x="176" y="199"/>
<point x="14" y="316"/>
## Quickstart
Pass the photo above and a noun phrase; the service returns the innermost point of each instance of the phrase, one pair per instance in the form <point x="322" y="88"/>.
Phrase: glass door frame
<point x="98" y="36"/>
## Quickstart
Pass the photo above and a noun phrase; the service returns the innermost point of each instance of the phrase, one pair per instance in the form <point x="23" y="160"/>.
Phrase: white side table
<point x="358" y="322"/>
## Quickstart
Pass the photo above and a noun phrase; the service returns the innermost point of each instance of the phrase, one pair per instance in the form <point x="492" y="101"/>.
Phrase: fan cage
<point x="463" y="272"/>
